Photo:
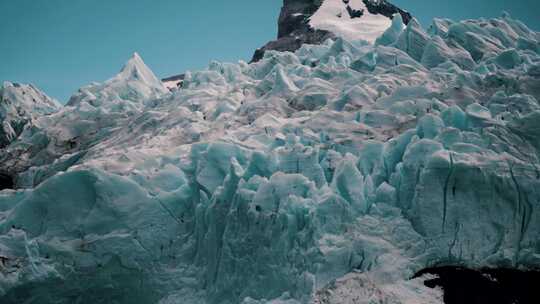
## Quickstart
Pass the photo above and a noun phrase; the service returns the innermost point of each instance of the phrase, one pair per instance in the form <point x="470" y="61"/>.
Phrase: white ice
<point x="332" y="16"/>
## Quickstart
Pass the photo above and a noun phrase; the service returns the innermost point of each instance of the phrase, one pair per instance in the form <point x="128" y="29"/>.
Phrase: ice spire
<point x="136" y="70"/>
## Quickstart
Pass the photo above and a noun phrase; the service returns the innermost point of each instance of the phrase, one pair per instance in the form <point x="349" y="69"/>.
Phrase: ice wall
<point x="329" y="175"/>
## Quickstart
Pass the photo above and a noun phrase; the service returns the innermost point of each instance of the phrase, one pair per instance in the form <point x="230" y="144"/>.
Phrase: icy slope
<point x="19" y="105"/>
<point x="136" y="82"/>
<point x="329" y="175"/>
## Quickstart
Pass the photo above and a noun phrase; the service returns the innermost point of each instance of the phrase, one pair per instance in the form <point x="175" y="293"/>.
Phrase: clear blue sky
<point x="61" y="45"/>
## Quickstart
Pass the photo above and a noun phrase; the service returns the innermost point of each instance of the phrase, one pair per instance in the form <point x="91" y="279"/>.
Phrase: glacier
<point x="332" y="174"/>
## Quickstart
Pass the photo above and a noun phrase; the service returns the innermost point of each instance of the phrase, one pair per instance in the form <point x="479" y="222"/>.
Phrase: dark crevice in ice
<point x="6" y="182"/>
<point x="445" y="197"/>
<point x="493" y="286"/>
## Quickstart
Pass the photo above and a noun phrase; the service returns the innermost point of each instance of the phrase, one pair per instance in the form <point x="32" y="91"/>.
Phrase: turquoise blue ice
<point x="331" y="174"/>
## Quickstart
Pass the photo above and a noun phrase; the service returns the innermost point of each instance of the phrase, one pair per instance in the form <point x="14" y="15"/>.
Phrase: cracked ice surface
<point x="330" y="175"/>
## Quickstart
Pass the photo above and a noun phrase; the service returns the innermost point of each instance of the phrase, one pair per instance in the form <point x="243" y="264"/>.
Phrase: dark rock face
<point x="354" y="13"/>
<point x="175" y="78"/>
<point x="387" y="9"/>
<point x="293" y="15"/>
<point x="294" y="29"/>
<point x="179" y="79"/>
<point x="493" y="286"/>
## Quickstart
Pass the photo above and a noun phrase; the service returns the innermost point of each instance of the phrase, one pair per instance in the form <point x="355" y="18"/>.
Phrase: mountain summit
<point x="314" y="21"/>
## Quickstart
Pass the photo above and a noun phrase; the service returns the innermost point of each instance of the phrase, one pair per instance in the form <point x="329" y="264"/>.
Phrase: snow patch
<point x="333" y="16"/>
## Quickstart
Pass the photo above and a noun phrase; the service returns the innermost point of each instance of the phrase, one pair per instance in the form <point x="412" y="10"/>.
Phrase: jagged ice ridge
<point x="328" y="175"/>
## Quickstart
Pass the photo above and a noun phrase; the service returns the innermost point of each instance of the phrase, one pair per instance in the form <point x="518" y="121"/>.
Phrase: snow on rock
<point x="315" y="21"/>
<point x="328" y="175"/>
<point x="334" y="17"/>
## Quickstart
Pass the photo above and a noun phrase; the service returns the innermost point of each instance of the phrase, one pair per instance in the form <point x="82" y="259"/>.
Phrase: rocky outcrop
<point x="387" y="9"/>
<point x="294" y="29"/>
